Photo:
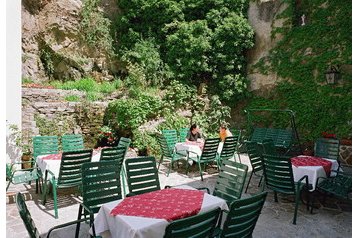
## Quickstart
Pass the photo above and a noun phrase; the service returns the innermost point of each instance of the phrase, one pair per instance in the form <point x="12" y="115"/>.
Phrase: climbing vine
<point x="301" y="59"/>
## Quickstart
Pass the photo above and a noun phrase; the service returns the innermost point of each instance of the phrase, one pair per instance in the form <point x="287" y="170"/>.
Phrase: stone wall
<point x="50" y="105"/>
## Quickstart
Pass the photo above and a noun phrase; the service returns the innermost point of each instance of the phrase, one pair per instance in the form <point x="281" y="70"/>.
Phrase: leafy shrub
<point x="72" y="98"/>
<point x="179" y="95"/>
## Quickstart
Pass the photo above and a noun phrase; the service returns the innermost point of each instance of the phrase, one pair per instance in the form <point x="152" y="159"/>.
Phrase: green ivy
<point x="301" y="59"/>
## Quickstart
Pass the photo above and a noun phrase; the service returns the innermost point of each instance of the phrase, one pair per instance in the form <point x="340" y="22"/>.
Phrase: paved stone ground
<point x="333" y="219"/>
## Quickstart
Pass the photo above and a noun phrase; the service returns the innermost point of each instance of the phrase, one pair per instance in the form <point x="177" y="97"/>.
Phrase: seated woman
<point x="194" y="134"/>
<point x="224" y="132"/>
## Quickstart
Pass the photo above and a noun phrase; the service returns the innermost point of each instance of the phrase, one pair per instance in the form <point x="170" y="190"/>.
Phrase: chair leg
<point x="54" y="191"/>
<point x="170" y="165"/>
<point x="8" y="184"/>
<point x="123" y="178"/>
<point x="187" y="166"/>
<point x="297" y="200"/>
<point x="78" y="217"/>
<point x="275" y="194"/>
<point x="247" y="186"/>
<point x="201" y="174"/>
<point x="260" y="180"/>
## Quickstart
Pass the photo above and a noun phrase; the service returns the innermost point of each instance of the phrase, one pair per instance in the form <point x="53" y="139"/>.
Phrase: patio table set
<point x="149" y="211"/>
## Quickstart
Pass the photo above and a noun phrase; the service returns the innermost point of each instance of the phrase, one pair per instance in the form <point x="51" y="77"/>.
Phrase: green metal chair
<point x="279" y="178"/>
<point x="29" y="223"/>
<point x="339" y="186"/>
<point x="182" y="134"/>
<point x="171" y="137"/>
<point x="100" y="184"/>
<point x="70" y="174"/>
<point x="231" y="181"/>
<point x="242" y="217"/>
<point x="17" y="176"/>
<point x="327" y="148"/>
<point x="229" y="149"/>
<point x="44" y="145"/>
<point x="72" y="142"/>
<point x="142" y="175"/>
<point x="169" y="153"/>
<point x="254" y="154"/>
<point x="198" y="226"/>
<point x="124" y="143"/>
<point x="118" y="154"/>
<point x="209" y="154"/>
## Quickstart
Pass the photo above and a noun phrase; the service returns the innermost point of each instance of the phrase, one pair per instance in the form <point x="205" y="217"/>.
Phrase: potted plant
<point x="23" y="141"/>
<point x="107" y="137"/>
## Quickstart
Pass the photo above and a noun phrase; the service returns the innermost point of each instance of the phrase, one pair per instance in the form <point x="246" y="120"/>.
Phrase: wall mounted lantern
<point x="332" y="75"/>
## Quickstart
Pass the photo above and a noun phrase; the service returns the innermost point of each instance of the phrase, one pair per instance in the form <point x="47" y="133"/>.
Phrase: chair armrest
<point x="167" y="186"/>
<point x="130" y="194"/>
<point x="64" y="225"/>
<point x="305" y="177"/>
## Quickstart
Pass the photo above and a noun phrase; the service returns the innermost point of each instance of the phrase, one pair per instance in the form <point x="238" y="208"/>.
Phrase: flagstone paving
<point x="333" y="219"/>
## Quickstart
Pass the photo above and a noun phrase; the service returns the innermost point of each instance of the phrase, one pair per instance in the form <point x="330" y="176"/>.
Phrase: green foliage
<point x="72" y="98"/>
<point x="57" y="126"/>
<point x="179" y="95"/>
<point x="191" y="41"/>
<point x="302" y="57"/>
<point x="174" y="121"/>
<point x="147" y="142"/>
<point x="127" y="114"/>
<point x="95" y="27"/>
<point x="209" y="120"/>
<point x="47" y="61"/>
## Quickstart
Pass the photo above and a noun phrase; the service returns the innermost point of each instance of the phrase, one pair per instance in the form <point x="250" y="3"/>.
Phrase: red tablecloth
<point x="53" y="157"/>
<point x="312" y="161"/>
<point x="169" y="204"/>
<point x="201" y="145"/>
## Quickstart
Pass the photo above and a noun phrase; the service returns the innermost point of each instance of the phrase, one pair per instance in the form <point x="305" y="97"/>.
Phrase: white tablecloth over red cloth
<point x="312" y="161"/>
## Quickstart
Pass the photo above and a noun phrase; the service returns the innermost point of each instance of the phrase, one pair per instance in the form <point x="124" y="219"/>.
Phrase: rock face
<point x="53" y="45"/>
<point x="262" y="17"/>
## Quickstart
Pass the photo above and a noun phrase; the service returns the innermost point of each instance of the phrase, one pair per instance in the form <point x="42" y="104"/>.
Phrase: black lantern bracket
<point x="332" y="74"/>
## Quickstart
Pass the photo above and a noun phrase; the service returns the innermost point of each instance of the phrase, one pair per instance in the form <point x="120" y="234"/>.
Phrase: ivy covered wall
<point x="301" y="59"/>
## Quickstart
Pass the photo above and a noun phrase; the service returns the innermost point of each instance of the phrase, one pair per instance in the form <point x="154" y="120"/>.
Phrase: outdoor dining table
<point x="52" y="162"/>
<point x="195" y="147"/>
<point x="147" y="215"/>
<point x="313" y="167"/>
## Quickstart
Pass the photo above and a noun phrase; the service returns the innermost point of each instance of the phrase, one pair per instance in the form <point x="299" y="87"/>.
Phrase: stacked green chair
<point x="229" y="149"/>
<point x="100" y="184"/>
<point x="237" y="132"/>
<point x="242" y="217"/>
<point x="208" y="155"/>
<point x="169" y="153"/>
<point x="198" y="226"/>
<point x="279" y="178"/>
<point x="44" y="145"/>
<point x="231" y="181"/>
<point x="142" y="175"/>
<point x="70" y="174"/>
<point x="254" y="154"/>
<point x="72" y="142"/>
<point x="182" y="134"/>
<point x="17" y="176"/>
<point x="29" y="223"/>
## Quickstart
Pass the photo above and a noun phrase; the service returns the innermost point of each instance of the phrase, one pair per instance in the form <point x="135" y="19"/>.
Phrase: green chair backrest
<point x="268" y="147"/>
<point x="164" y="147"/>
<point x="26" y="216"/>
<point x="71" y="142"/>
<point x="182" y="134"/>
<point x="231" y="180"/>
<point x="43" y="145"/>
<point x="100" y="184"/>
<point x="229" y="147"/>
<point x="198" y="226"/>
<point x="210" y="149"/>
<point x="243" y="215"/>
<point x="254" y="154"/>
<point x="280" y="137"/>
<point x="327" y="148"/>
<point x="113" y="153"/>
<point x="339" y="185"/>
<point x="124" y="143"/>
<point x="70" y="174"/>
<point x="142" y="175"/>
<point x="278" y="173"/>
<point x="171" y="137"/>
